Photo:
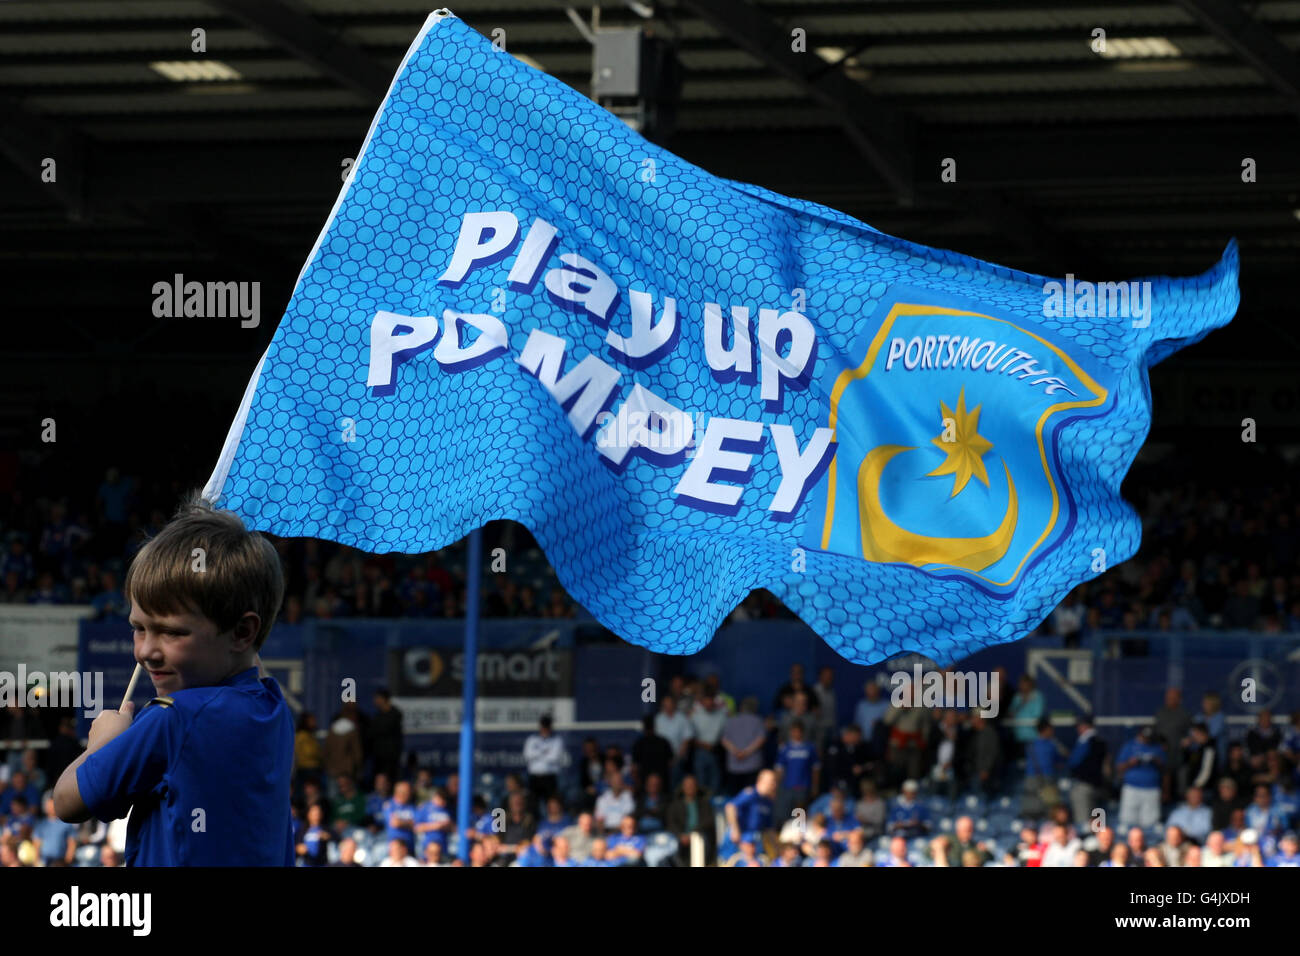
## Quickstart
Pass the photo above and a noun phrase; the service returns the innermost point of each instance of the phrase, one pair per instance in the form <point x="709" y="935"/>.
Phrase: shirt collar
<point x="243" y="678"/>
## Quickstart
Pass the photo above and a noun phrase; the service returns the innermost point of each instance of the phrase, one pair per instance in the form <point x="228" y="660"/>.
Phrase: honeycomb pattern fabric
<point x="415" y="466"/>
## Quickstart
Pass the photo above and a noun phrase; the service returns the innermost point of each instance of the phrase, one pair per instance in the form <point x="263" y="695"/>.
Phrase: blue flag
<point x="688" y="388"/>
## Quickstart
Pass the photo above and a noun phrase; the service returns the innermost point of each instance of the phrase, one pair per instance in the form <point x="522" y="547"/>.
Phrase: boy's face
<point x="185" y="650"/>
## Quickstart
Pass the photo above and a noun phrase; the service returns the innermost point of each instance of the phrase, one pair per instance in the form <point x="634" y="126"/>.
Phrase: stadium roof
<point x="1068" y="160"/>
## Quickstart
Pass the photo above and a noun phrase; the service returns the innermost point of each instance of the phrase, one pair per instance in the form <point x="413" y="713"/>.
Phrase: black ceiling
<point x="1067" y="160"/>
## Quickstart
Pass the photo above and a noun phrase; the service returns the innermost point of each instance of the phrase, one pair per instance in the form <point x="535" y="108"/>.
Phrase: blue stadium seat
<point x="945" y="824"/>
<point x="938" y="805"/>
<point x="649" y="825"/>
<point x="972" y="803"/>
<point x="86" y="856"/>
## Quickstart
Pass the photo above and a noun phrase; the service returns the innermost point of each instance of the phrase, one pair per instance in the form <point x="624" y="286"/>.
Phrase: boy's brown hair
<point x="241" y="573"/>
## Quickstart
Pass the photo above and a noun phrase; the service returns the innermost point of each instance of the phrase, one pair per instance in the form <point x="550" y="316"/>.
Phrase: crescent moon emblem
<point x="883" y="540"/>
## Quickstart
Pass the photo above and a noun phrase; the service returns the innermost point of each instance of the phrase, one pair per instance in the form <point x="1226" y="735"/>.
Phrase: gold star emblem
<point x="967" y="448"/>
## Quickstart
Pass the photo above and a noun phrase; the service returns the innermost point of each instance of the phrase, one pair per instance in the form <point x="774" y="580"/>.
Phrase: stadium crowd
<point x="743" y="784"/>
<point x="1215" y="557"/>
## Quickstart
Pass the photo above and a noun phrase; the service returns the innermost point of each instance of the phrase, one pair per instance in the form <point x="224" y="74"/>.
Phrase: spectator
<point x="1262" y="738"/>
<point x="598" y="856"/>
<point x="651" y="753"/>
<point x="580" y="837"/>
<point x="789" y="856"/>
<point x="433" y="823"/>
<point x="1087" y="762"/>
<point x="399" y="854"/>
<point x="341" y="756"/>
<point x="1042" y="763"/>
<point x="848" y="761"/>
<point x="556" y="820"/>
<point x="708" y="718"/>
<point x="909" y="731"/>
<point x="386" y="735"/>
<point x="948" y="754"/>
<point x="1193" y="817"/>
<point x="1247" y="852"/>
<point x="1120" y="856"/>
<point x="615" y="803"/>
<point x="434" y="855"/>
<point x="1287" y="855"/>
<point x="869" y="714"/>
<point x="628" y="847"/>
<point x="839" y="821"/>
<point x="825" y="708"/>
<point x="1216" y="853"/>
<point x="676" y="728"/>
<point x="590" y="772"/>
<point x="376" y="801"/>
<point x="964" y="841"/>
<point x="748" y="855"/>
<point x="399" y="818"/>
<point x="795" y="685"/>
<point x="313" y="847"/>
<point x="690" y="814"/>
<point x="1201" y="759"/>
<point x="909" y="817"/>
<point x="857" y="853"/>
<point x="797" y="768"/>
<point x="110" y="602"/>
<point x="742" y="737"/>
<point x="799" y="712"/>
<point x="870" y="810"/>
<point x="560" y="855"/>
<point x="1105" y="843"/>
<point x="984" y="755"/>
<point x="349" y="806"/>
<point x="652" y="805"/>
<point x="1139" y="766"/>
<point x="1262" y="816"/>
<point x="520" y="823"/>
<point x="1061" y="850"/>
<point x="897" y="853"/>
<point x="306" y="749"/>
<point x="544" y="756"/>
<point x="109" y="857"/>
<point x="1174" y="849"/>
<point x="55" y="841"/>
<point x="749" y="813"/>
<point x="1026" y="709"/>
<point x="1212" y="716"/>
<point x="1172" y="724"/>
<point x="1238" y="767"/>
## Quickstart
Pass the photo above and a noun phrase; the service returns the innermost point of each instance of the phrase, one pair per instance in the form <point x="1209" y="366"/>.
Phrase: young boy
<point x="205" y="769"/>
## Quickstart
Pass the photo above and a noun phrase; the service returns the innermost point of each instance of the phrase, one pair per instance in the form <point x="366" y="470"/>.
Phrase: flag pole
<point x="473" y="574"/>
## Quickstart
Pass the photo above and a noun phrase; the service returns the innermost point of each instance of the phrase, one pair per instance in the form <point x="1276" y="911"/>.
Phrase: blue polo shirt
<point x="1145" y="775"/>
<point x="430" y="812"/>
<point x="53" y="835"/>
<point x="226" y="750"/>
<point x="753" y="810"/>
<point x="402" y="811"/>
<point x="797" y="761"/>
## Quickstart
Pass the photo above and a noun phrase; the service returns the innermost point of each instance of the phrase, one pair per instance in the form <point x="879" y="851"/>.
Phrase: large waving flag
<point x="688" y="388"/>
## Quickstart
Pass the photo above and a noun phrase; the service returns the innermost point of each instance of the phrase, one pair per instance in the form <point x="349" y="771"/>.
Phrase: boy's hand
<point x="109" y="724"/>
